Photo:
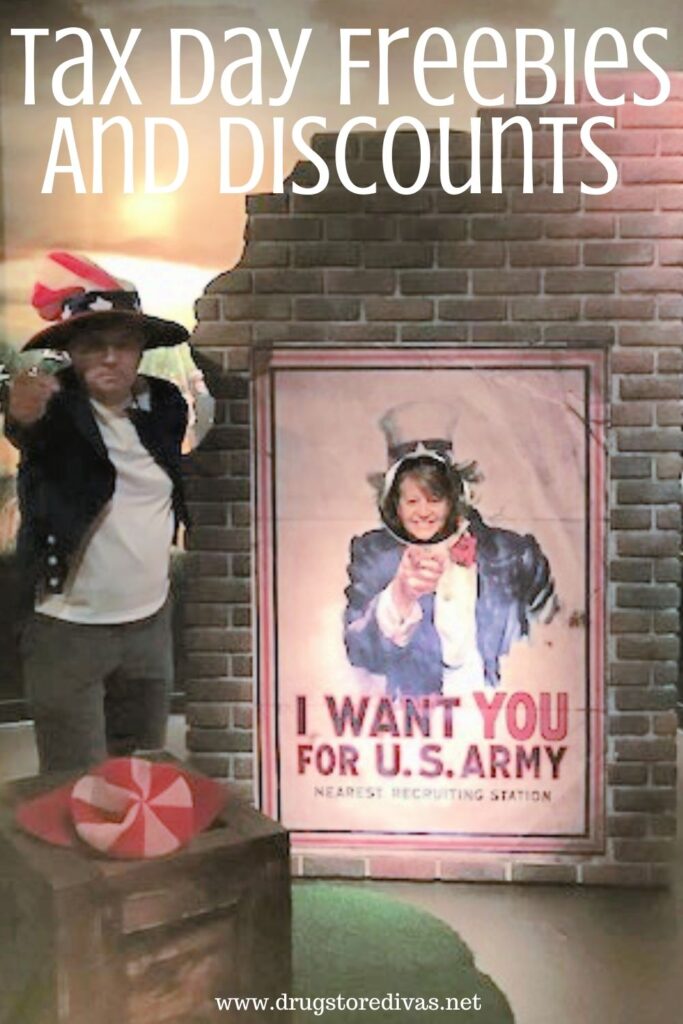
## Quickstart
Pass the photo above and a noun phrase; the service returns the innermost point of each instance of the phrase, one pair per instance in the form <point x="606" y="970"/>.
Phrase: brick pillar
<point x="511" y="269"/>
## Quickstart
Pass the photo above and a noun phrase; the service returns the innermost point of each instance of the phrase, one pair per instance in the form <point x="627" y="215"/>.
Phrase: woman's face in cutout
<point x="422" y="514"/>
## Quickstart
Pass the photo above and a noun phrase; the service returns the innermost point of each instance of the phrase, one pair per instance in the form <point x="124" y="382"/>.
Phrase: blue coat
<point x="513" y="581"/>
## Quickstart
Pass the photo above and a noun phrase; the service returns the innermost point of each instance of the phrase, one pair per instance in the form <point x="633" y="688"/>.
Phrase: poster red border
<point x="267" y="363"/>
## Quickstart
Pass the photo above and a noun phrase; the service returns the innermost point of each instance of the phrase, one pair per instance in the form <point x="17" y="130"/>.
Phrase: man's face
<point x="423" y="515"/>
<point x="107" y="359"/>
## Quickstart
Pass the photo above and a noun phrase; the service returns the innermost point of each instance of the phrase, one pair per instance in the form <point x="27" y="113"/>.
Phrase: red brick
<point x="650" y="388"/>
<point x="327" y="308"/>
<point x="267" y="203"/>
<point x="668" y="570"/>
<point x="329" y="254"/>
<point x="647" y="800"/>
<point x="615" y="874"/>
<point x="669" y="467"/>
<point x="646" y="750"/>
<point x="630" y="143"/>
<point x="650" y="225"/>
<point x="580" y="281"/>
<point x="633" y="361"/>
<point x="545" y="309"/>
<point x="629" y="725"/>
<point x="390" y="254"/>
<point x="543" y="254"/>
<point x="618" y="253"/>
<point x="264" y="254"/>
<point x="433" y="282"/>
<point x="669" y="414"/>
<point x="665" y="675"/>
<point x="670" y="308"/>
<point x="361" y="333"/>
<point x="658" y="334"/>
<point x="545" y="201"/>
<point x="436" y="229"/>
<point x="215" y="765"/>
<point x="671" y="143"/>
<point x="629" y="197"/>
<point x="579" y="334"/>
<point x="630" y="571"/>
<point x="652" y="699"/>
<point x="399" y="309"/>
<point x="666" y="622"/>
<point x="630" y="467"/>
<point x="664" y="775"/>
<point x="632" y="414"/>
<point x="671" y="252"/>
<point x="618" y="307"/>
<point x="665" y="439"/>
<point x="288" y="281"/>
<point x="639" y="492"/>
<point x="585" y="172"/>
<point x="630" y="674"/>
<point x="471" y="202"/>
<point x="626" y="774"/>
<point x="469" y="254"/>
<point x="436" y="333"/>
<point x="658" y="279"/>
<point x="630" y="519"/>
<point x="648" y="648"/>
<point x="671" y="196"/>
<point x="258" y="307"/>
<point x="665" y="724"/>
<point x="633" y="825"/>
<point x="472" y="309"/>
<point x="262" y="229"/>
<point x="544" y="873"/>
<point x="653" y="596"/>
<point x="507" y="333"/>
<point x="219" y="689"/>
<point x="210" y="715"/>
<point x="386" y="200"/>
<point x="491" y="228"/>
<point x="669" y="518"/>
<point x="369" y="282"/>
<point x="643" y="850"/>
<point x="665" y="115"/>
<point x="331" y="200"/>
<point x="587" y="226"/>
<point x="643" y="171"/>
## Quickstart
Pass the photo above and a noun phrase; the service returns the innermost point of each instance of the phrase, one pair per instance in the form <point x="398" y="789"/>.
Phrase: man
<point x="437" y="597"/>
<point x="100" y="497"/>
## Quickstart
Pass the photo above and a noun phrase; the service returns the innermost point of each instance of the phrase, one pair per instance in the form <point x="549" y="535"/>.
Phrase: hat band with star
<point x="80" y="296"/>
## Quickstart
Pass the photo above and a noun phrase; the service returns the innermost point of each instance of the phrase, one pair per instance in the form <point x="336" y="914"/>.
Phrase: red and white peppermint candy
<point x="133" y="808"/>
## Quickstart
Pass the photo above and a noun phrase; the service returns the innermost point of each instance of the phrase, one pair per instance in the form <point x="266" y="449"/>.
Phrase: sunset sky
<point x="171" y="245"/>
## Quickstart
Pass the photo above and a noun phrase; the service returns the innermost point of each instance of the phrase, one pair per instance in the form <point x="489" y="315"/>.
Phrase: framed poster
<point x="431" y="662"/>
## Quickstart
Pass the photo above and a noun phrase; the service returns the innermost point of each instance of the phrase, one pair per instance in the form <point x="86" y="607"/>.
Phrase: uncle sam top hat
<point x="415" y="429"/>
<point x="78" y="295"/>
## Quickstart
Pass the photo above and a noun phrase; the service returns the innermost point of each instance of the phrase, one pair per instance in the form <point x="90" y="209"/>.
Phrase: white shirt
<point x="455" y="621"/>
<point x="121" y="572"/>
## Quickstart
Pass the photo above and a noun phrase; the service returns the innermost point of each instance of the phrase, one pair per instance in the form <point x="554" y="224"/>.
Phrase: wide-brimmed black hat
<point x="78" y="295"/>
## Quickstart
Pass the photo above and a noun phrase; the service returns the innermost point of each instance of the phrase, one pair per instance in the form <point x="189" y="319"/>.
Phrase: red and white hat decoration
<point x="74" y="293"/>
<point x="69" y="284"/>
<point x="126" y="808"/>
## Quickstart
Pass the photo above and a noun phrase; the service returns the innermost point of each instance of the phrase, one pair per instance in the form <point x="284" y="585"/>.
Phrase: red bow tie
<point x="464" y="551"/>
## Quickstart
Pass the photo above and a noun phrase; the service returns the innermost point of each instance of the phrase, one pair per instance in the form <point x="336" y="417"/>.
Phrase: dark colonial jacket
<point x="513" y="583"/>
<point x="66" y="477"/>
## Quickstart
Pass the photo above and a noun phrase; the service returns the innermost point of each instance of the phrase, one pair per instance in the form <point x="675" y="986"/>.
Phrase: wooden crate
<point x="86" y="940"/>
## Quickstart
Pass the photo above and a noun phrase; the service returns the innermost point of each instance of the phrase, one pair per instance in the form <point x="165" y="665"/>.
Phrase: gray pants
<point x="97" y="690"/>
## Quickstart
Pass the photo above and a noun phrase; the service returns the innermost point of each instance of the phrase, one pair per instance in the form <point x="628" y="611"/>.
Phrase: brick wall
<point x="513" y="269"/>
